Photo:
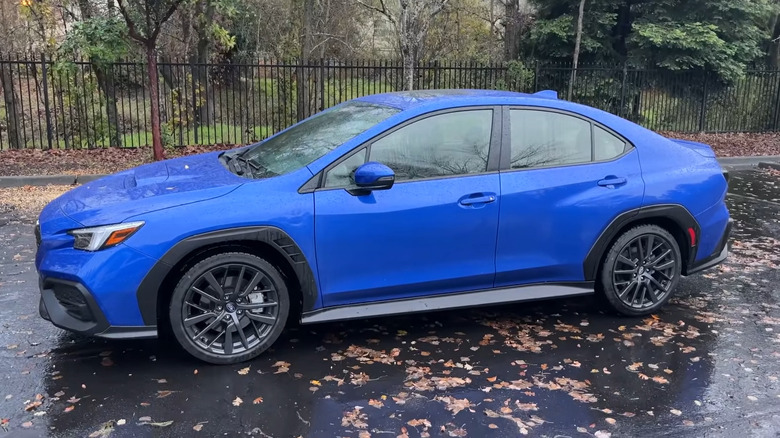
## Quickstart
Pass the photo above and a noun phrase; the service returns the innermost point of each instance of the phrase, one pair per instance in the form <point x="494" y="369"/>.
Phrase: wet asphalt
<point x="707" y="365"/>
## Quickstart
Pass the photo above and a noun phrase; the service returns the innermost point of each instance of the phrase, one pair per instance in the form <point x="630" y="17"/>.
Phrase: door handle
<point x="487" y="199"/>
<point x="612" y="181"/>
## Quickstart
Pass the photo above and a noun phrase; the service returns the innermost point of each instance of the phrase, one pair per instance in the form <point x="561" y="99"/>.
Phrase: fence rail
<point x="79" y="104"/>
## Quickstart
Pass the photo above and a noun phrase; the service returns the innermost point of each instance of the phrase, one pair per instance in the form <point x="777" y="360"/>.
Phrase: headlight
<point x="95" y="238"/>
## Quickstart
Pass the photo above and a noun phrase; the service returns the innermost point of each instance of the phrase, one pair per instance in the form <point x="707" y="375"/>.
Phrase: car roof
<point x="404" y="100"/>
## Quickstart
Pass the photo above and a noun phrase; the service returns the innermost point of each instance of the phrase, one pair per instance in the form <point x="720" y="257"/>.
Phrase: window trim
<point x="494" y="149"/>
<point x="506" y="139"/>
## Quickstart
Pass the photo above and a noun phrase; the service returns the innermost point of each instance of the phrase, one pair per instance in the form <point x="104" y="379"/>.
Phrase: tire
<point x="637" y="284"/>
<point x="229" y="308"/>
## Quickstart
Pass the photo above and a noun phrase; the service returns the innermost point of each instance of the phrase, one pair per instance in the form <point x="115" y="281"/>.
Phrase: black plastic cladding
<point x="674" y="212"/>
<point x="276" y="238"/>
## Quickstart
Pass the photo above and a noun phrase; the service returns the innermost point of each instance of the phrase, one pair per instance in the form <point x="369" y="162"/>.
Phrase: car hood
<point x="146" y="188"/>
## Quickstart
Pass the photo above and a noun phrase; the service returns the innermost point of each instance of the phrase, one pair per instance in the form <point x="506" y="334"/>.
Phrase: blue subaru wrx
<point x="387" y="204"/>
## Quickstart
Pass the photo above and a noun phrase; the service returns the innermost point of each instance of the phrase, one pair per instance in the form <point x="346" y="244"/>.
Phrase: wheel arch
<point x="269" y="243"/>
<point x="674" y="218"/>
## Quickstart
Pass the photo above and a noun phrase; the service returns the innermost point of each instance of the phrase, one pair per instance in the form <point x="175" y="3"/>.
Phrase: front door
<point x="433" y="232"/>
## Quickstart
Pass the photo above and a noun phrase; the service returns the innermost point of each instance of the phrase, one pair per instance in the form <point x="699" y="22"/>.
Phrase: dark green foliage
<point x="723" y="36"/>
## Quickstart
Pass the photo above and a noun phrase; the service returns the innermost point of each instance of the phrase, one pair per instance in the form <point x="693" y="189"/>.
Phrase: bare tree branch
<point x="131" y="29"/>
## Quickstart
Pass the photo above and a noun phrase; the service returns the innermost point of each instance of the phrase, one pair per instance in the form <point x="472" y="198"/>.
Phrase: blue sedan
<point x="386" y="204"/>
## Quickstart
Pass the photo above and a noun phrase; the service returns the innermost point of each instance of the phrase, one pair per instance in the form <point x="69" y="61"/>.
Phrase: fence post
<point x="622" y="111"/>
<point x="776" y="114"/>
<point x="536" y="76"/>
<point x="436" y="74"/>
<point x="703" y="114"/>
<point x="46" y="108"/>
<point x="322" y="84"/>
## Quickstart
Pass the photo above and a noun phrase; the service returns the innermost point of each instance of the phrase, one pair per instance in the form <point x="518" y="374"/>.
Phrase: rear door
<point x="564" y="178"/>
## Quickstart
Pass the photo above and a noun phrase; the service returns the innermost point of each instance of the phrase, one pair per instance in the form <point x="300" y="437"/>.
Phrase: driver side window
<point x="343" y="174"/>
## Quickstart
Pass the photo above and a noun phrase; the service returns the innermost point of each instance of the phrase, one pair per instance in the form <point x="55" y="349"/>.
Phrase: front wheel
<point x="229" y="308"/>
<point x="641" y="270"/>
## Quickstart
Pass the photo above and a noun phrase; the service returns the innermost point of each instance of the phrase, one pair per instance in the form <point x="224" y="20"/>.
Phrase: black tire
<point x="636" y="280"/>
<point x="235" y="306"/>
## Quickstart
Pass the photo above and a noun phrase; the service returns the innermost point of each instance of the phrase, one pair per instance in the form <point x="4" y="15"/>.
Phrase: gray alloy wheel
<point x="641" y="270"/>
<point x="229" y="308"/>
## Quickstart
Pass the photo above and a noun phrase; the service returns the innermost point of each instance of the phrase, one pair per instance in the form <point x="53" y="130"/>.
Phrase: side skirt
<point x="450" y="301"/>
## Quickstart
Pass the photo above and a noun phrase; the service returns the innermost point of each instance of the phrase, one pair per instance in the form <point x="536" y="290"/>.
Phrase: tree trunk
<point x="774" y="44"/>
<point x="105" y="79"/>
<point x="576" y="56"/>
<point x="154" y="96"/>
<point x="203" y="106"/>
<point x="302" y="73"/>
<point x="409" y="66"/>
<point x="512" y="30"/>
<point x="11" y="105"/>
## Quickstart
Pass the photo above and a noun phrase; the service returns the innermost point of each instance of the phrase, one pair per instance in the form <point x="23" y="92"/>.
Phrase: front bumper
<point x="70" y="306"/>
<point x="718" y="256"/>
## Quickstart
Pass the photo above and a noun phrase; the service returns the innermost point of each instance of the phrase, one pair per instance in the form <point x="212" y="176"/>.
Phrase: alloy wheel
<point x="230" y="309"/>
<point x="644" y="270"/>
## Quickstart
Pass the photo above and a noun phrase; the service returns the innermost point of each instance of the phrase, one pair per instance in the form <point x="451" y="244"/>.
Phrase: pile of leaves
<point x="86" y="161"/>
<point x="735" y="144"/>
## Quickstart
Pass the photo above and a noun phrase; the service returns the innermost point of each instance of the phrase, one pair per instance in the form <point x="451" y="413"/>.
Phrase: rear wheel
<point x="641" y="270"/>
<point x="229" y="308"/>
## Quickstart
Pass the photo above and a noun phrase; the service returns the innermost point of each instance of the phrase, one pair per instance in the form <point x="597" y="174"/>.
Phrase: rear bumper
<point x="70" y="306"/>
<point x="718" y="256"/>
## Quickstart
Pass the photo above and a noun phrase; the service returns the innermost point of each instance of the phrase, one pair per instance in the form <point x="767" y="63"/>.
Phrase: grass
<point x="220" y="133"/>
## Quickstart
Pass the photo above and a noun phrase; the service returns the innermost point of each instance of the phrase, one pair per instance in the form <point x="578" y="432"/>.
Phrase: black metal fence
<point x="79" y="104"/>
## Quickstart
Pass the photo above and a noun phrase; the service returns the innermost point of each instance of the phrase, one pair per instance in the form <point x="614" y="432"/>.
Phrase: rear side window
<point x="606" y="145"/>
<point x="546" y="138"/>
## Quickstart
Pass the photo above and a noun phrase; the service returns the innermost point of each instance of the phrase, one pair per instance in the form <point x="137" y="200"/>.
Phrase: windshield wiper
<point x="238" y="164"/>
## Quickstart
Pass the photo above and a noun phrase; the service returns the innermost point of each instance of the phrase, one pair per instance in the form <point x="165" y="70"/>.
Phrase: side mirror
<point x="373" y="176"/>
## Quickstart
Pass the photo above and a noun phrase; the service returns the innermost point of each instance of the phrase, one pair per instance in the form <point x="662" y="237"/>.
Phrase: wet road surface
<point x="707" y="365"/>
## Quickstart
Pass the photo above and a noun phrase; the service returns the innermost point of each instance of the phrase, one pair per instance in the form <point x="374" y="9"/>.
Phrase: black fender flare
<point x="277" y="239"/>
<point x="674" y="212"/>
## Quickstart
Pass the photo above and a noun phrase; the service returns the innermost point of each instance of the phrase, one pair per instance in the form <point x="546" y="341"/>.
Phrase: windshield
<point x="307" y="141"/>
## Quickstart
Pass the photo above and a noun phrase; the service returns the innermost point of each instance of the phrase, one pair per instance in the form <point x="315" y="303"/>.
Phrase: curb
<point x="742" y="163"/>
<point x="44" y="180"/>
<point x="769" y="165"/>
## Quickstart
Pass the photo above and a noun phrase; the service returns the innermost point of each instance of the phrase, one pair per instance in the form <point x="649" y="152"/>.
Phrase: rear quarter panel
<point x="675" y="174"/>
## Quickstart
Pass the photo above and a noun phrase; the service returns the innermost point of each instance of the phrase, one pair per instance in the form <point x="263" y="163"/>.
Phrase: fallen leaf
<point x="610" y="420"/>
<point x="121" y="422"/>
<point x="69" y="408"/>
<point x="198" y="427"/>
<point x="375" y="403"/>
<point x="257" y="401"/>
<point x="315" y="382"/>
<point x="660" y="379"/>
<point x="27" y="424"/>
<point x="492" y="426"/>
<point x="676" y="412"/>
<point x="161" y="424"/>
<point x="243" y="371"/>
<point x="237" y="401"/>
<point x="419" y="422"/>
